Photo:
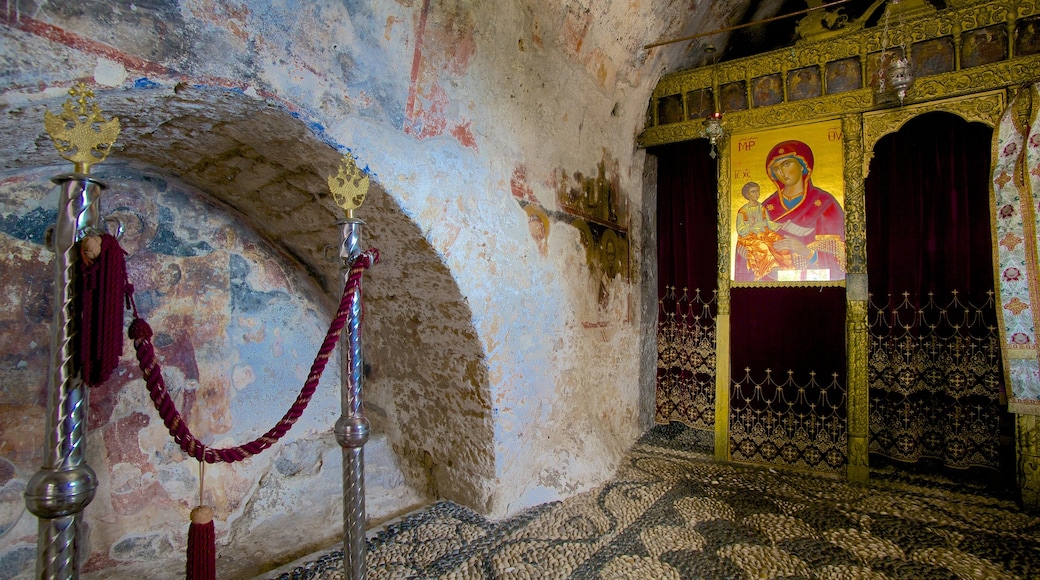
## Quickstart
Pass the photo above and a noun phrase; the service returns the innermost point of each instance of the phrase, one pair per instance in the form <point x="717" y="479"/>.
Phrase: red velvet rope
<point x="141" y="334"/>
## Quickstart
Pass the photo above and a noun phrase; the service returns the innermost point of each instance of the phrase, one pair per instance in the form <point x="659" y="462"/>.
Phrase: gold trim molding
<point x="803" y="284"/>
<point x="982" y="108"/>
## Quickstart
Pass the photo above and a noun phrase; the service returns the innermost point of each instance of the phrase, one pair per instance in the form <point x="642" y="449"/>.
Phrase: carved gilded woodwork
<point x="855" y="201"/>
<point x="722" y="323"/>
<point x="725" y="218"/>
<point x="983" y="108"/>
<point x="953" y="74"/>
<point x="858" y="401"/>
<point x="1027" y="449"/>
<point x="722" y="385"/>
<point x="864" y="46"/>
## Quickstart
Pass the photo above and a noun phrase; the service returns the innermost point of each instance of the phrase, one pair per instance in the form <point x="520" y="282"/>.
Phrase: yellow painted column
<point x="722" y="381"/>
<point x="722" y="319"/>
<point x="1027" y="451"/>
<point x="856" y="296"/>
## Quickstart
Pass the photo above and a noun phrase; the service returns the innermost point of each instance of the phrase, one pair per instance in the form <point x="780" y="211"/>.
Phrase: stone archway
<point x="426" y="383"/>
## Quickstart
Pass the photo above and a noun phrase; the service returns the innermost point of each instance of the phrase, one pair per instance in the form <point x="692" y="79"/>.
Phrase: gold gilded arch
<point x="982" y="108"/>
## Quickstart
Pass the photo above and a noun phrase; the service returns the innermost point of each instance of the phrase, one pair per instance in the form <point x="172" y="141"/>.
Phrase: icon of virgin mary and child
<point x="798" y="232"/>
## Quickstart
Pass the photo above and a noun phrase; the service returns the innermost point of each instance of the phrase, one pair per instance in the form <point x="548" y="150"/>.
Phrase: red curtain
<point x="688" y="275"/>
<point x="934" y="365"/>
<point x="782" y="329"/>
<point x="928" y="210"/>
<point x="687" y="217"/>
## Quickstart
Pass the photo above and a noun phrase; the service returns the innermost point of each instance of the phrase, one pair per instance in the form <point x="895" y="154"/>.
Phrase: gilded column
<point x="722" y="319"/>
<point x="1027" y="450"/>
<point x="856" y="296"/>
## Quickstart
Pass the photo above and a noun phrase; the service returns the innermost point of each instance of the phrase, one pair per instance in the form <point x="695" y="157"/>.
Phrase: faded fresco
<point x="235" y="335"/>
<point x="787" y="205"/>
<point x="594" y="205"/>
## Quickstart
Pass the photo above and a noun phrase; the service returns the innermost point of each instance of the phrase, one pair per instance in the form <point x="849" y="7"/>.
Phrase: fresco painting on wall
<point x="787" y="206"/>
<point x="233" y="327"/>
<point x="538" y="223"/>
<point x="594" y="205"/>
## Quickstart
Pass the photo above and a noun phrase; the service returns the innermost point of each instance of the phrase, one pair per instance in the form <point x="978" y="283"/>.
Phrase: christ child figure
<point x="756" y="235"/>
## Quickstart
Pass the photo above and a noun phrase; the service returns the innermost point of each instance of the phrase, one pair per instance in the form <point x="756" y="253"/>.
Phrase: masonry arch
<point x="427" y="386"/>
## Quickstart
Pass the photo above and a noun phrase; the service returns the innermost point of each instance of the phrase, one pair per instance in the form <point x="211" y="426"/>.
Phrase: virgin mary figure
<point x="809" y="219"/>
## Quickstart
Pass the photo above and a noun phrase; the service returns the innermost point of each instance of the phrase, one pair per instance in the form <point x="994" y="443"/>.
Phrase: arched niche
<point x="426" y="385"/>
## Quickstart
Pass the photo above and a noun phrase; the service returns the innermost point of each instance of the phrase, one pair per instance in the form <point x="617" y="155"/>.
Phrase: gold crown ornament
<point x="80" y="134"/>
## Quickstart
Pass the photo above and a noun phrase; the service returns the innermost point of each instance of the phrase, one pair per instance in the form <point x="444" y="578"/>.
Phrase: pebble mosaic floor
<point x="673" y="513"/>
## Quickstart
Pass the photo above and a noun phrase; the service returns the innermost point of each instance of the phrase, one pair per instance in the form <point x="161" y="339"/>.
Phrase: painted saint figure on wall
<point x="807" y="235"/>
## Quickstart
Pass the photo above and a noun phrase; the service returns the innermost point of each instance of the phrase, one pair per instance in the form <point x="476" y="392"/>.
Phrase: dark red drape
<point x="928" y="232"/>
<point x="687" y="217"/>
<point x="928" y="211"/>
<point x="782" y="329"/>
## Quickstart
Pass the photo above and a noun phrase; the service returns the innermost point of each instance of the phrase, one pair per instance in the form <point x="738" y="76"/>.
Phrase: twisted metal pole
<point x="352" y="428"/>
<point x="65" y="483"/>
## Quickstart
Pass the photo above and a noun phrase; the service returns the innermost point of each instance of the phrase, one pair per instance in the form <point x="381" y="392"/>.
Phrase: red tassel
<point x="100" y="292"/>
<point x="202" y="554"/>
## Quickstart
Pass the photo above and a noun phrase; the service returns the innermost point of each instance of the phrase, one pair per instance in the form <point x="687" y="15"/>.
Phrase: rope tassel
<point x="202" y="552"/>
<point x="100" y="292"/>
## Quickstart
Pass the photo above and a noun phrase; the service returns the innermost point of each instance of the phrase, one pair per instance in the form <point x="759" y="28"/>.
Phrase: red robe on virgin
<point x="818" y="222"/>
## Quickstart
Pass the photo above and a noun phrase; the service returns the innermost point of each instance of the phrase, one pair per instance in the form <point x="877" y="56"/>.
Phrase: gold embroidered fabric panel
<point x="790" y="424"/>
<point x="1016" y="239"/>
<point x="934" y="373"/>
<point x="686" y="359"/>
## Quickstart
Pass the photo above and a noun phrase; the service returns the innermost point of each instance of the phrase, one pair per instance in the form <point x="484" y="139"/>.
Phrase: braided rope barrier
<point x="141" y="334"/>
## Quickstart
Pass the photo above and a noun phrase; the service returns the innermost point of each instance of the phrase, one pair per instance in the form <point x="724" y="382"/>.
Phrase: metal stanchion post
<point x="65" y="483"/>
<point x="352" y="428"/>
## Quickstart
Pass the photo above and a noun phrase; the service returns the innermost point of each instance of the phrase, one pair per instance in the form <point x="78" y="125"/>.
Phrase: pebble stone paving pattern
<point x="671" y="512"/>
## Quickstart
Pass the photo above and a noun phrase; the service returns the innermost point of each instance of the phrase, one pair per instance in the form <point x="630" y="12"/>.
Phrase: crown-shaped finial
<point x="80" y="134"/>
<point x="349" y="186"/>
